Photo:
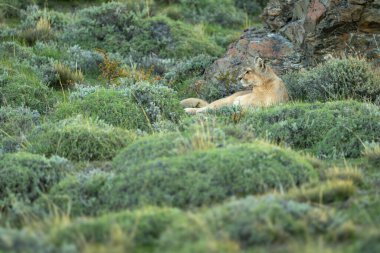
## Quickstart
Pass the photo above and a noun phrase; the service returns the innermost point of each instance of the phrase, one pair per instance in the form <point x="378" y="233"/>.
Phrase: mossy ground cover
<point x="97" y="155"/>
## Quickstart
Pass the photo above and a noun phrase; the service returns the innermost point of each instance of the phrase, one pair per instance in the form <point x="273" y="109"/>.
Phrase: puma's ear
<point x="248" y="69"/>
<point x="260" y="64"/>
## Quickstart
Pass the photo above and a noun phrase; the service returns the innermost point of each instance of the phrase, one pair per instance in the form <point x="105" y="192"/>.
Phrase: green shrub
<point x="370" y="243"/>
<point x="205" y="177"/>
<point x="336" y="79"/>
<point x="86" y="61"/>
<point x="13" y="50"/>
<point x="115" y="28"/>
<point x="15" y="123"/>
<point x="78" y="193"/>
<point x="159" y="102"/>
<point x="23" y="240"/>
<point x="33" y="14"/>
<point x="12" y="8"/>
<point x="251" y="7"/>
<point x="183" y="77"/>
<point x="20" y="85"/>
<point x="79" y="139"/>
<point x="25" y="176"/>
<point x="268" y="220"/>
<point x="169" y="145"/>
<point x="334" y="129"/>
<point x="140" y="228"/>
<point x="113" y="107"/>
<point x="147" y="149"/>
<point x="193" y="235"/>
<point x="220" y="12"/>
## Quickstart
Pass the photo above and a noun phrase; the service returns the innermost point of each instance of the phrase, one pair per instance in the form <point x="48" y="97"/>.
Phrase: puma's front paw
<point x="191" y="111"/>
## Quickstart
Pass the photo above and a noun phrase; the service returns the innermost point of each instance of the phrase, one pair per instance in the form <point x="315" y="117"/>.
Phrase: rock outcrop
<point x="321" y="27"/>
<point x="301" y="33"/>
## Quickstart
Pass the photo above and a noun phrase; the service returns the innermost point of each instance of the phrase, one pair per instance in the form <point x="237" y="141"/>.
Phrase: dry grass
<point x="323" y="192"/>
<point x="67" y="77"/>
<point x="41" y="32"/>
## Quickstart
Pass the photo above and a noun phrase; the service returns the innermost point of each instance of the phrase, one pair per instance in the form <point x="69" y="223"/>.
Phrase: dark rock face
<point x="321" y="27"/>
<point x="301" y="33"/>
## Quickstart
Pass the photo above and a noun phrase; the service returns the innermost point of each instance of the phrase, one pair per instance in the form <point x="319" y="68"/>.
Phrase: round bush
<point x="111" y="106"/>
<point x="79" y="139"/>
<point x="205" y="177"/>
<point x="17" y="121"/>
<point x="147" y="149"/>
<point x="27" y="175"/>
<point x="21" y="86"/>
<point x="336" y="79"/>
<point x="330" y="130"/>
<point x="79" y="193"/>
<point x="158" y="101"/>
<point x="169" y="145"/>
<point x="268" y="220"/>
<point x="246" y="224"/>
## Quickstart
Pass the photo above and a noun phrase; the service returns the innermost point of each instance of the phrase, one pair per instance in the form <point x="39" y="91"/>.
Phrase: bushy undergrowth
<point x="112" y="106"/>
<point x="114" y="27"/>
<point x="184" y="76"/>
<point x="135" y="107"/>
<point x="254" y="221"/>
<point x="349" y="78"/>
<point x="20" y="85"/>
<point x="330" y="130"/>
<point x="209" y="176"/>
<point x="140" y="229"/>
<point x="198" y="137"/>
<point x="79" y="139"/>
<point x="78" y="193"/>
<point x="159" y="102"/>
<point x="25" y="176"/>
<point x="15" y="123"/>
<point x="221" y="12"/>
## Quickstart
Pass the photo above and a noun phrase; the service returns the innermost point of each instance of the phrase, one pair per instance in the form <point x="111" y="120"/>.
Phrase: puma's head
<point x="257" y="75"/>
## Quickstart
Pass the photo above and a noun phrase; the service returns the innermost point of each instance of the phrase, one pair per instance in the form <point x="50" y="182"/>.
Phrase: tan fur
<point x="193" y="103"/>
<point x="268" y="89"/>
